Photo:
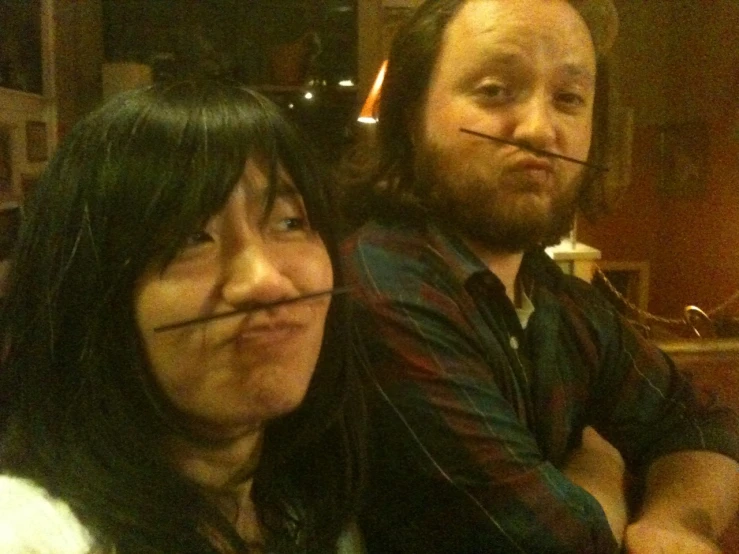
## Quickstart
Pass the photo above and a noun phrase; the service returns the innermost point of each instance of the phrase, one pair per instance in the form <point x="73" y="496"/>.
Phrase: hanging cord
<point x="690" y="311"/>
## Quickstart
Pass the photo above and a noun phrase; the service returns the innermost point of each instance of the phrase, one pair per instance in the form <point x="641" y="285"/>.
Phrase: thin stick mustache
<point x="533" y="150"/>
<point x="248" y="309"/>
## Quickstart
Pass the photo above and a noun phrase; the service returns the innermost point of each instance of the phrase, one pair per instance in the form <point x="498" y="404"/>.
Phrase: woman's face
<point x="232" y="375"/>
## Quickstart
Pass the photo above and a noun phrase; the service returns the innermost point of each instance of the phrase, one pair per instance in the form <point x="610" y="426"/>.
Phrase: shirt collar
<point x="464" y="264"/>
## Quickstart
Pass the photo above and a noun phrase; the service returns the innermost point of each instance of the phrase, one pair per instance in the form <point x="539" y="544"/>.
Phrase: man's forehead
<point x="510" y="33"/>
<point x="600" y="17"/>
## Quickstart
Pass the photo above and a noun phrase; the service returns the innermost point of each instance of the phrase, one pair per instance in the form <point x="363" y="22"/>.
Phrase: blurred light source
<point x="308" y="96"/>
<point x="346" y="83"/>
<point x="369" y="109"/>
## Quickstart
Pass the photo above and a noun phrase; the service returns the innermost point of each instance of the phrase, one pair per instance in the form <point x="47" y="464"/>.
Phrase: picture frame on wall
<point x="684" y="159"/>
<point x="28" y="182"/>
<point x="37" y="148"/>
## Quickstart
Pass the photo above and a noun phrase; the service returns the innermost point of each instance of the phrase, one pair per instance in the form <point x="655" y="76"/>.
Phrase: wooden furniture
<point x="631" y="278"/>
<point x="714" y="366"/>
<point x="575" y="258"/>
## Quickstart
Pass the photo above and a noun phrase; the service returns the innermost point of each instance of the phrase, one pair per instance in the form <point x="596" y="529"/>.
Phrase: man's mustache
<point x="537" y="151"/>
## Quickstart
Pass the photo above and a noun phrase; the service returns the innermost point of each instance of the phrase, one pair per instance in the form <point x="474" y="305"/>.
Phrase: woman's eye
<point x="294" y="224"/>
<point x="196" y="239"/>
<point x="188" y="249"/>
<point x="288" y="215"/>
<point x="289" y="224"/>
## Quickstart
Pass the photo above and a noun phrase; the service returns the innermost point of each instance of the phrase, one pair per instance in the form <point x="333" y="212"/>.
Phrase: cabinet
<point x="300" y="53"/>
<point x="575" y="258"/>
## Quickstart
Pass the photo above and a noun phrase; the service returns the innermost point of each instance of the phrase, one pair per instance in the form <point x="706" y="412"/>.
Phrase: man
<point x="490" y="366"/>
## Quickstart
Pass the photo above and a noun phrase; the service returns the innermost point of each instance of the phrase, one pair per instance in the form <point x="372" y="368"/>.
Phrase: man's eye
<point x="494" y="91"/>
<point x="571" y="99"/>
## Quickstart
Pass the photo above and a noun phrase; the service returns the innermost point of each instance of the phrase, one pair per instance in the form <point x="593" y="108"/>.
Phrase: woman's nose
<point x="252" y="277"/>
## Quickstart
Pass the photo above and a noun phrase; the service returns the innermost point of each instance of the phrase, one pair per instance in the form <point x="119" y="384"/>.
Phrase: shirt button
<point x="514" y="343"/>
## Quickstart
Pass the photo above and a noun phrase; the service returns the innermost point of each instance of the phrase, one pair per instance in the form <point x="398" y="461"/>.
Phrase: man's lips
<point x="531" y="175"/>
<point x="533" y="164"/>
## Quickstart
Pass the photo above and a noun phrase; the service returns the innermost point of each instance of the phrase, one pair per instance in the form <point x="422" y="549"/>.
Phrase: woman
<point x="125" y="425"/>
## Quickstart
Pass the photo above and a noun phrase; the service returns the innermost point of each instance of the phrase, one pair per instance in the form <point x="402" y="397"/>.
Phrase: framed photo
<point x="37" y="149"/>
<point x="28" y="182"/>
<point x="684" y="149"/>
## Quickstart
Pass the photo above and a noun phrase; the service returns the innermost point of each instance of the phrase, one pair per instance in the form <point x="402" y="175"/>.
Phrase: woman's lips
<point x="270" y="334"/>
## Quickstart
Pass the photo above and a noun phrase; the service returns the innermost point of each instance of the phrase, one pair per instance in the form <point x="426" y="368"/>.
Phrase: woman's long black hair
<point x="79" y="412"/>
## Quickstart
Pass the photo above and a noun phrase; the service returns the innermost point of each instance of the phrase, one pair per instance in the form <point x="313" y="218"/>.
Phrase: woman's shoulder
<point x="32" y="521"/>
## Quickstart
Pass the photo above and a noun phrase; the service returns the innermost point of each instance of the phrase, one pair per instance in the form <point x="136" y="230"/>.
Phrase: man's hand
<point x="647" y="538"/>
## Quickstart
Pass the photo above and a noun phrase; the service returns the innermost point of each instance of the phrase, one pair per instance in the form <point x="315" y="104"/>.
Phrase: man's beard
<point x="491" y="210"/>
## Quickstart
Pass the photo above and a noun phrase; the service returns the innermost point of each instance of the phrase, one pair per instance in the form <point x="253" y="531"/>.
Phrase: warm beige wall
<point x="78" y="59"/>
<point x="376" y="24"/>
<point x="369" y="44"/>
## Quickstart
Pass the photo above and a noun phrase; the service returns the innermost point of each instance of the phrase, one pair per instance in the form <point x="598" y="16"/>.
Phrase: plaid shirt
<point x="474" y="414"/>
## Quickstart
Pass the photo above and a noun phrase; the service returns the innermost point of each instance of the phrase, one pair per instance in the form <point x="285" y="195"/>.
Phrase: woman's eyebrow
<point x="285" y="186"/>
<point x="279" y="185"/>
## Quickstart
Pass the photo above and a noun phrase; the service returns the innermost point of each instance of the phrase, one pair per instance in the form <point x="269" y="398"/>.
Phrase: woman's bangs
<point x="299" y="162"/>
<point x="205" y="165"/>
<point x="209" y="143"/>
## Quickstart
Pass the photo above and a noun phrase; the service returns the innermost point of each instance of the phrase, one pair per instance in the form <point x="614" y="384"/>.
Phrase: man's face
<point x="524" y="71"/>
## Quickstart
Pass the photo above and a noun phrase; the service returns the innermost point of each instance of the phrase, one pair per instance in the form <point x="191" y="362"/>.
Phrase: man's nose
<point x="536" y="122"/>
<point x="251" y="276"/>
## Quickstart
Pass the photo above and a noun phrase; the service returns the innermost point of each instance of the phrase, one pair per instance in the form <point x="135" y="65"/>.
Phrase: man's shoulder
<point x="570" y="292"/>
<point x="394" y="256"/>
<point x="390" y="236"/>
<point x="545" y="270"/>
<point x="380" y="246"/>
